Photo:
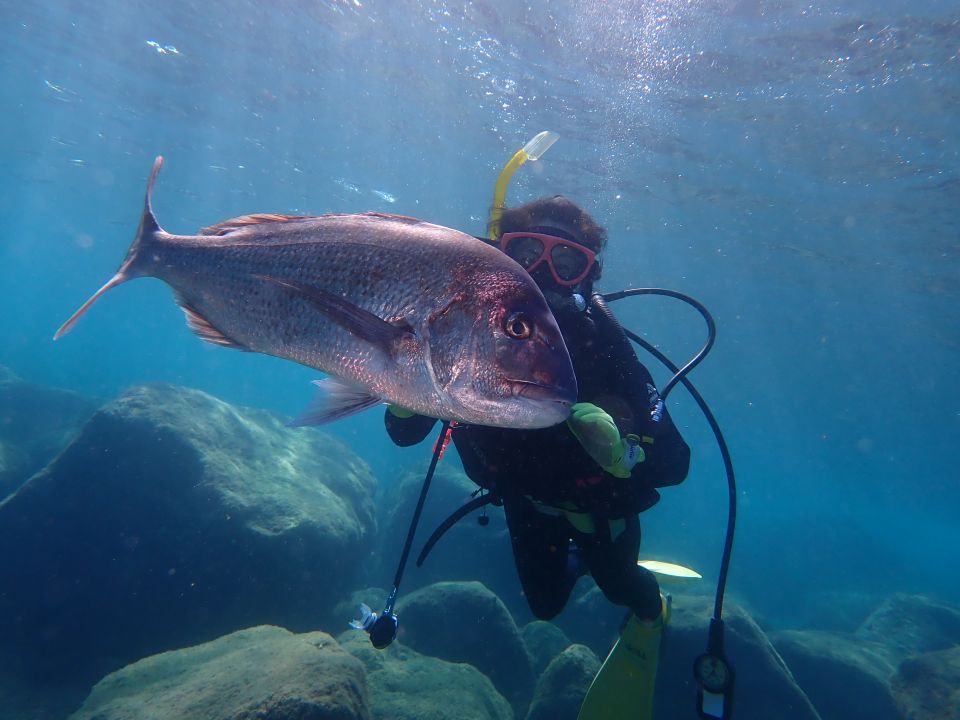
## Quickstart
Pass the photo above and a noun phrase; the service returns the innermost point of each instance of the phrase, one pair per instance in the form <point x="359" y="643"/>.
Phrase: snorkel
<point x="533" y="150"/>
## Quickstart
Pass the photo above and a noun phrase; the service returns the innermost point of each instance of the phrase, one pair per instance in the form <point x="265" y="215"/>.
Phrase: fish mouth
<point x="557" y="394"/>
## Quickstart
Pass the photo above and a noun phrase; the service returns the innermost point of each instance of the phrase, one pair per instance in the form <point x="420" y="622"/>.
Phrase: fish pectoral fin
<point x="335" y="399"/>
<point x="352" y="318"/>
<point x="205" y="329"/>
<point x="238" y="223"/>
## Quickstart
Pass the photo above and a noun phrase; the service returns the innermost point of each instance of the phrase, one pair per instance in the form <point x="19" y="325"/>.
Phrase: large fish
<point x="400" y="310"/>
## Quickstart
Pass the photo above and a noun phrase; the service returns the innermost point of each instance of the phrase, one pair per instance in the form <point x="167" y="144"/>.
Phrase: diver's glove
<point x="400" y="412"/>
<point x="600" y="437"/>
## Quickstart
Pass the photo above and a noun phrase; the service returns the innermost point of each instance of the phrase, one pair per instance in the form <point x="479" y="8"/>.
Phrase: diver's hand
<point x="600" y="437"/>
<point x="400" y="412"/>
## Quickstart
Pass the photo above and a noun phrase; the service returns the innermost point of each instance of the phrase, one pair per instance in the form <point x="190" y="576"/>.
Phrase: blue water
<point x="794" y="166"/>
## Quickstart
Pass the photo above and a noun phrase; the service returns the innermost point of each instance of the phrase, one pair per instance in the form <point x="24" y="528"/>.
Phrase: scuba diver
<point x="572" y="493"/>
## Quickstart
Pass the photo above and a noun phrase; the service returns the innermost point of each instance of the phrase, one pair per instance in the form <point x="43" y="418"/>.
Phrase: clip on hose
<point x="713" y="672"/>
<point x="383" y="628"/>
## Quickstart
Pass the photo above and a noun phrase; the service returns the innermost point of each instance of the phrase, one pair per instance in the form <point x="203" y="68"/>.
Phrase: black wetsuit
<point x="549" y="466"/>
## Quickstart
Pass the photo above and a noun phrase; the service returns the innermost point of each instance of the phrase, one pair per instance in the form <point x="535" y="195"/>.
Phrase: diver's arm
<point x="666" y="455"/>
<point x="409" y="430"/>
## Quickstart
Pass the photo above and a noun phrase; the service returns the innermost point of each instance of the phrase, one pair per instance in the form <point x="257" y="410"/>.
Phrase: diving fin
<point x="623" y="689"/>
<point x="669" y="572"/>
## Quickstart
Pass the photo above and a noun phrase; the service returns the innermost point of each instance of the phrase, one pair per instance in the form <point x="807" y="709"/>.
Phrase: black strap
<point x="415" y="520"/>
<point x="455" y="517"/>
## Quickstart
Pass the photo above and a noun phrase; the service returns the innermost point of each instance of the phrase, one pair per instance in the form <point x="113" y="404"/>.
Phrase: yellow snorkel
<point x="533" y="150"/>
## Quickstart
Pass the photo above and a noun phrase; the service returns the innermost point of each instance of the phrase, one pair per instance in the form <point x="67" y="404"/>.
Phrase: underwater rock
<point x="840" y="611"/>
<point x="466" y="622"/>
<point x="261" y="672"/>
<point x="544" y="642"/>
<point x="173" y="518"/>
<point x="765" y="687"/>
<point x="927" y="687"/>
<point x="468" y="551"/>
<point x="911" y="625"/>
<point x="36" y="423"/>
<point x="405" y="685"/>
<point x="590" y="619"/>
<point x="844" y="676"/>
<point x="563" y="684"/>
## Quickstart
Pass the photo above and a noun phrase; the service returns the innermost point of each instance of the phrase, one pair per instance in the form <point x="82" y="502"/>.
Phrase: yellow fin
<point x="623" y="689"/>
<point x="670" y="570"/>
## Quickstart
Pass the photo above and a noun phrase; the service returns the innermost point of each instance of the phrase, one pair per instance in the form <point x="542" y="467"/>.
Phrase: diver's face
<point x="544" y="280"/>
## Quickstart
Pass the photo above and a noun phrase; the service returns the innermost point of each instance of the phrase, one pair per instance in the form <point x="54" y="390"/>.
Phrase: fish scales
<point x="400" y="279"/>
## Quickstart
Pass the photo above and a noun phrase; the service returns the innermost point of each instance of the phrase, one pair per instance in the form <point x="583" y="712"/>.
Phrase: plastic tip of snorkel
<point x="540" y="143"/>
<point x="533" y="150"/>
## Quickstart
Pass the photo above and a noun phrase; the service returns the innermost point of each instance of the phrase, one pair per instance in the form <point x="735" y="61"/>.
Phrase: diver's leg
<point x="611" y="557"/>
<point x="624" y="686"/>
<point x="540" y="550"/>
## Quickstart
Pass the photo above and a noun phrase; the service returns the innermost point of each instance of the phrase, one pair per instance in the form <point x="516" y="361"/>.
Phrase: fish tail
<point x="148" y="230"/>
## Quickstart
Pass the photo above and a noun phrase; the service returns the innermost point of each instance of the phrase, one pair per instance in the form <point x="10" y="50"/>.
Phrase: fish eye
<point x="518" y="326"/>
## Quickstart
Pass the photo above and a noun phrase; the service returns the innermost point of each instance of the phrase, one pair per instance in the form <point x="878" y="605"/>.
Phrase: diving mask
<point x="569" y="262"/>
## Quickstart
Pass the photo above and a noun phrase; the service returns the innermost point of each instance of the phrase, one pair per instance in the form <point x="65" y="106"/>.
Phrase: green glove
<point x="600" y="437"/>
<point x="400" y="412"/>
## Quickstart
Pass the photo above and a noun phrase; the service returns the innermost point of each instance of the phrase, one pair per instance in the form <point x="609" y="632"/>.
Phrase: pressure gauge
<point x="713" y="673"/>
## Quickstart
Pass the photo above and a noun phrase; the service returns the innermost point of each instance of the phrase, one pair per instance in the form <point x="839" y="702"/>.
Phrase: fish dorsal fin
<point x="393" y="216"/>
<point x="202" y="327"/>
<point x="238" y="223"/>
